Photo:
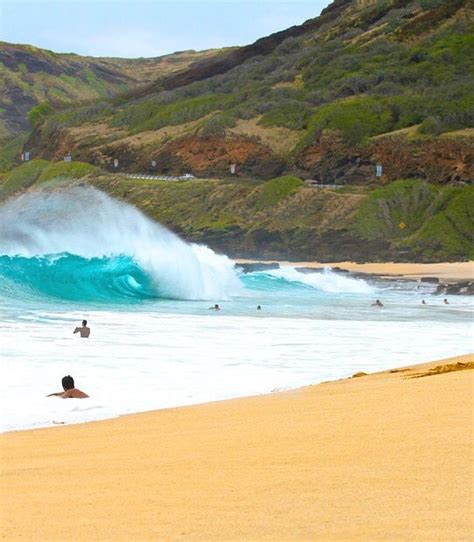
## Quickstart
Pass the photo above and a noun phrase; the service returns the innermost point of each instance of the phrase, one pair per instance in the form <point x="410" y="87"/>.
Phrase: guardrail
<point x="158" y="177"/>
<point x="314" y="184"/>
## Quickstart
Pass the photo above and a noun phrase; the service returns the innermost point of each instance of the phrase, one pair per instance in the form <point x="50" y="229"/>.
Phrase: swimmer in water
<point x="84" y="330"/>
<point x="215" y="308"/>
<point x="377" y="303"/>
<point x="259" y="308"/>
<point x="70" y="392"/>
<point x="423" y="302"/>
<point x="445" y="301"/>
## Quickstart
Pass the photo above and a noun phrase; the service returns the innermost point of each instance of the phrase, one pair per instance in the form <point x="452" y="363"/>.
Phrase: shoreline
<point x="345" y="459"/>
<point x="447" y="272"/>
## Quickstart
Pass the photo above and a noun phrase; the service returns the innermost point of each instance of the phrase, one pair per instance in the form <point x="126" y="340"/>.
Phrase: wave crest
<point x="110" y="245"/>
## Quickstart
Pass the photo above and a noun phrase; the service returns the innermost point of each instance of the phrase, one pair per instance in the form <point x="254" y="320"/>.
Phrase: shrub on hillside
<point x="276" y="190"/>
<point x="431" y="126"/>
<point x="217" y="125"/>
<point x="22" y="177"/>
<point x="72" y="170"/>
<point x="38" y="113"/>
<point x="293" y="115"/>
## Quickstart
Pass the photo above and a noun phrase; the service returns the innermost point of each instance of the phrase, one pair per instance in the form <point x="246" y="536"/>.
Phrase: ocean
<point x="73" y="254"/>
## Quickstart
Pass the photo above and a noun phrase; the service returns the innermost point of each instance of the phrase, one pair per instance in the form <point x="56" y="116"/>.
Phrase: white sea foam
<point x="167" y="352"/>
<point x="86" y="222"/>
<point x="326" y="281"/>
<point x="137" y="361"/>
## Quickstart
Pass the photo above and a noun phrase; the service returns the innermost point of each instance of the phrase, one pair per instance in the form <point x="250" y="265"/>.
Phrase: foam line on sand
<point x="378" y="457"/>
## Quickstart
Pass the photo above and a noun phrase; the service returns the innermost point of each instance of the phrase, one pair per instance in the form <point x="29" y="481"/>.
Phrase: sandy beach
<point x="445" y="271"/>
<point x="385" y="456"/>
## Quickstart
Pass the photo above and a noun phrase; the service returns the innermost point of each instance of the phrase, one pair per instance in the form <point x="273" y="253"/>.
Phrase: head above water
<point x="259" y="307"/>
<point x="68" y="382"/>
<point x="84" y="323"/>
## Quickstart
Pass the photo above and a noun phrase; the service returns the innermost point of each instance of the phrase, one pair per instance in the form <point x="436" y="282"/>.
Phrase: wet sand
<point x="385" y="456"/>
<point x="446" y="272"/>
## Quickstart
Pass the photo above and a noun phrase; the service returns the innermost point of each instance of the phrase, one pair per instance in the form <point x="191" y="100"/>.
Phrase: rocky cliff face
<point x="444" y="159"/>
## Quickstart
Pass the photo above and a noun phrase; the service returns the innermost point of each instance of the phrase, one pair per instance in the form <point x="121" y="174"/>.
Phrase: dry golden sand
<point x="446" y="271"/>
<point x="379" y="457"/>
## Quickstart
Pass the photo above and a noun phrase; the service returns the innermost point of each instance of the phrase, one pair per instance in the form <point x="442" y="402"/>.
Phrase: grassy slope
<point x="31" y="76"/>
<point x="244" y="216"/>
<point x="420" y="218"/>
<point x="36" y="172"/>
<point x="376" y="69"/>
<point x="438" y="219"/>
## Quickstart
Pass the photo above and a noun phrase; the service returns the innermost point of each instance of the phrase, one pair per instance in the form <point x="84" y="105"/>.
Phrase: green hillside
<point x="35" y="81"/>
<point x="283" y="218"/>
<point x="318" y="100"/>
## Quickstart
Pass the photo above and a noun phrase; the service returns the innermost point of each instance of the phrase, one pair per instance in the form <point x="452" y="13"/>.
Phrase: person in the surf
<point x="70" y="391"/>
<point x="446" y="302"/>
<point x="377" y="303"/>
<point x="84" y="330"/>
<point x="215" y="308"/>
<point x="423" y="302"/>
<point x="259" y="307"/>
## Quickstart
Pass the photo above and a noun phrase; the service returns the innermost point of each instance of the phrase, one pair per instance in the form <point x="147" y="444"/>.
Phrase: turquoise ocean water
<point x="77" y="253"/>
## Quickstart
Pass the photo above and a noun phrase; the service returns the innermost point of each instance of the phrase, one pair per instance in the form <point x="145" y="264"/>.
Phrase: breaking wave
<point x="81" y="244"/>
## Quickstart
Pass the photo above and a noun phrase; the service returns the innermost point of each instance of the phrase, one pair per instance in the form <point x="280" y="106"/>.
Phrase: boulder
<point x="257" y="266"/>
<point x="433" y="280"/>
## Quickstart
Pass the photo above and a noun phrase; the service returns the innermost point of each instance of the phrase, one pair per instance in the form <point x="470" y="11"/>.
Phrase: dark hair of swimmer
<point x="68" y="382"/>
<point x="259" y="308"/>
<point x="84" y="322"/>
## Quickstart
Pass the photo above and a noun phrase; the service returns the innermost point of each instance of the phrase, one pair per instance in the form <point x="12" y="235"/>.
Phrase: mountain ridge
<point x="31" y="75"/>
<point x="335" y="85"/>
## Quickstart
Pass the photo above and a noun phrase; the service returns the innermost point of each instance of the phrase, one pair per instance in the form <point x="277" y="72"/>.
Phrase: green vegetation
<point x="148" y="115"/>
<point x="22" y="177"/>
<point x="40" y="171"/>
<point x="39" y="112"/>
<point x="9" y="152"/>
<point x="54" y="81"/>
<point x="293" y="115"/>
<point x="216" y="125"/>
<point x="277" y="190"/>
<point x="356" y="119"/>
<point x="448" y="234"/>
<point x="401" y="202"/>
<point x="373" y="69"/>
<point x="411" y="218"/>
<point x="405" y="220"/>
<point x="425" y="220"/>
<point x="70" y="170"/>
